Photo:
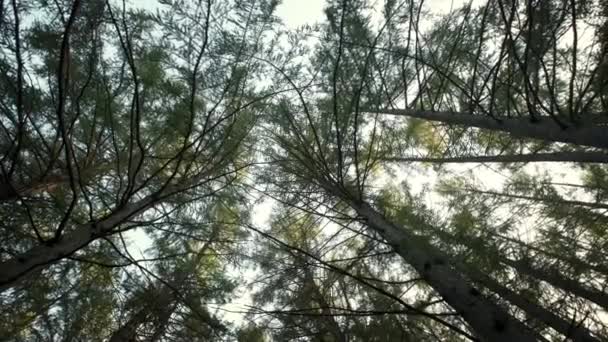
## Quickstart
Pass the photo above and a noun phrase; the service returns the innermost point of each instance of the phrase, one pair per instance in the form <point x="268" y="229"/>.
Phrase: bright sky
<point x="295" y="13"/>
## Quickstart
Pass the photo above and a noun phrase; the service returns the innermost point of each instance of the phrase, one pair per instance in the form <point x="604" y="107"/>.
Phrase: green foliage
<point x="154" y="133"/>
<point x="250" y="333"/>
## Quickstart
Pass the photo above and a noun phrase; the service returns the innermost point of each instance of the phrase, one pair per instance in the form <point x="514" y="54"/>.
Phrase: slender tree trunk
<point x="553" y="277"/>
<point x="544" y="129"/>
<point x="578" y="157"/>
<point x="573" y="261"/>
<point x="541" y="199"/>
<point x="572" y="330"/>
<point x="549" y="275"/>
<point x="486" y="318"/>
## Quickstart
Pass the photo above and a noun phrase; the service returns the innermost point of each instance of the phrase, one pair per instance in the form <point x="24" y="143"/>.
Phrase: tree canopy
<point x="197" y="170"/>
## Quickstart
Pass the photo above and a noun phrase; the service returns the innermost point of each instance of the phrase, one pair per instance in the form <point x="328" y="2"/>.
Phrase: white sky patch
<point x="147" y="4"/>
<point x="296" y="13"/>
<point x="261" y="212"/>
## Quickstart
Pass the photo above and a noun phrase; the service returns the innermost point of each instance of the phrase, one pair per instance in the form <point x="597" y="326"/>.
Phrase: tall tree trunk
<point x="543" y="129"/>
<point x="486" y="318"/>
<point x="578" y="157"/>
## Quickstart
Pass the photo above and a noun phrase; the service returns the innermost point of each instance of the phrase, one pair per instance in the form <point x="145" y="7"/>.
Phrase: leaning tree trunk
<point x="486" y="318"/>
<point x="547" y="274"/>
<point x="577" y="263"/>
<point x="541" y="199"/>
<point x="577" y="157"/>
<point x="543" y="128"/>
<point x="553" y="277"/>
<point x="571" y="330"/>
<point x="17" y="268"/>
<point x="45" y="254"/>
